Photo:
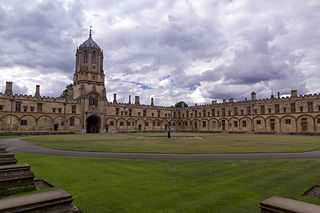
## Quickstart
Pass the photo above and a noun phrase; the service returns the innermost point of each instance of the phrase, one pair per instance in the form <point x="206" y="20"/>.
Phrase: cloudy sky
<point x="191" y="50"/>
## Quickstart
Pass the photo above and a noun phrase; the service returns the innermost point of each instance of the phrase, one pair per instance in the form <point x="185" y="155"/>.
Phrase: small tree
<point x="179" y="104"/>
<point x="65" y="91"/>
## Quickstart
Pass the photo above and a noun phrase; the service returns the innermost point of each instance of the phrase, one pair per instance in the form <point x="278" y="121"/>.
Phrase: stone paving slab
<point x="276" y="204"/>
<point x="56" y="201"/>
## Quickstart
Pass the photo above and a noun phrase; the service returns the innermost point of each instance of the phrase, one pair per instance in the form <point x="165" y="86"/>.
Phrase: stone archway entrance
<point x="93" y="124"/>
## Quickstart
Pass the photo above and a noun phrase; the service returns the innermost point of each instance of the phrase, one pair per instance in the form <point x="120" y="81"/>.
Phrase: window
<point x="218" y="113"/>
<point x="121" y="123"/>
<point x="93" y="100"/>
<point x="244" y="123"/>
<point x="85" y="57"/>
<point x="121" y="113"/>
<point x="39" y="107"/>
<point x="310" y="106"/>
<point x="139" y="113"/>
<point x="318" y="120"/>
<point x="18" y="106"/>
<point x="25" y="108"/>
<point x="93" y="58"/>
<point x="284" y="109"/>
<point x="301" y="108"/>
<point x="229" y="113"/>
<point x="54" y="110"/>
<point x="111" y="123"/>
<point x="147" y="124"/>
<point x="293" y="107"/>
<point x="204" y="113"/>
<point x="187" y="114"/>
<point x="128" y="123"/>
<point x="130" y="112"/>
<point x="242" y="112"/>
<point x="213" y="112"/>
<point x="59" y="110"/>
<point x="23" y="122"/>
<point x="158" y="113"/>
<point x="258" y="122"/>
<point x="319" y="108"/>
<point x="204" y="123"/>
<point x="117" y="111"/>
<point x="152" y="114"/>
<point x="31" y="108"/>
<point x="62" y="123"/>
<point x="144" y="112"/>
<point x="154" y="123"/>
<point x="223" y="111"/>
<point x="288" y="121"/>
<point x="73" y="109"/>
<point x="235" y="123"/>
<point x="276" y="108"/>
<point x="269" y="110"/>
<point x="235" y="110"/>
<point x="248" y="110"/>
<point x="214" y="124"/>
<point x="199" y="114"/>
<point x="72" y="121"/>
<point x="1" y="107"/>
<point x="262" y="109"/>
<point x="255" y="111"/>
<point x="196" y="113"/>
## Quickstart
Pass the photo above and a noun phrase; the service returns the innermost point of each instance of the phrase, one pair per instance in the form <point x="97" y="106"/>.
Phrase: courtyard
<point x="179" y="185"/>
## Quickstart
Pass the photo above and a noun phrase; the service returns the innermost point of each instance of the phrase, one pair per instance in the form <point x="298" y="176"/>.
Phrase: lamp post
<point x="169" y="136"/>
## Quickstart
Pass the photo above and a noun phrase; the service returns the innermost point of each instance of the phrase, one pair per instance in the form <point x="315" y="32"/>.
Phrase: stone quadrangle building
<point x="86" y="109"/>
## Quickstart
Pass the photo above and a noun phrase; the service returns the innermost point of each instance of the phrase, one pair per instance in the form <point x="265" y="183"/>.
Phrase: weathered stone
<point x="56" y="201"/>
<point x="276" y="204"/>
<point x="16" y="178"/>
<point x="7" y="159"/>
<point x="2" y="149"/>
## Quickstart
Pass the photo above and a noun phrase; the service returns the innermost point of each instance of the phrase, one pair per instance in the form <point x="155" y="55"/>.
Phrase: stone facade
<point x="86" y="109"/>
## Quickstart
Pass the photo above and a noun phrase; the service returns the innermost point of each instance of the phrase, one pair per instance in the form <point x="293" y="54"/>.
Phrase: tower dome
<point x="90" y="42"/>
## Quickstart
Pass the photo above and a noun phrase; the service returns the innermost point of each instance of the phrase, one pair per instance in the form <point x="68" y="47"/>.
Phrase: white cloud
<point x="173" y="50"/>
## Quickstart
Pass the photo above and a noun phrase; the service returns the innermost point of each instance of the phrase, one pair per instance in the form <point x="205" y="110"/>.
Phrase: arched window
<point x="93" y="58"/>
<point x="85" y="57"/>
<point x="93" y="100"/>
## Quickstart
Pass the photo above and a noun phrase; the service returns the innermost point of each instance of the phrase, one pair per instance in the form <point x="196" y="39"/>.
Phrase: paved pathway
<point x="18" y="145"/>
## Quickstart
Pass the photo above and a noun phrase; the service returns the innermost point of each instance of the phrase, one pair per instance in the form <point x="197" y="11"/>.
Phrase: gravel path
<point x="18" y="145"/>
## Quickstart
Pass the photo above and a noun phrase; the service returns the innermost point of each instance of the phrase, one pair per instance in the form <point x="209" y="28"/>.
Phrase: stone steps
<point x="16" y="178"/>
<point x="56" y="201"/>
<point x="7" y="159"/>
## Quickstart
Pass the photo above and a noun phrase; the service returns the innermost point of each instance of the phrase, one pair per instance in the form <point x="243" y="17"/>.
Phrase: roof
<point x="90" y="43"/>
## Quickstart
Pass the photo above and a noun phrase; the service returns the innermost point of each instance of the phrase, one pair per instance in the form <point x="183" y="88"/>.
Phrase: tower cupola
<point x="89" y="66"/>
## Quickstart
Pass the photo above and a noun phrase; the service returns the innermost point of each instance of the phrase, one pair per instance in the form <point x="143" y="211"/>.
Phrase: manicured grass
<point x="173" y="186"/>
<point x="211" y="143"/>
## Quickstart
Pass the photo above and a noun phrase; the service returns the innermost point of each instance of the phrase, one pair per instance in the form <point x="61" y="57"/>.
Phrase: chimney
<point x="278" y="94"/>
<point x="8" y="88"/>
<point x="37" y="94"/>
<point x="212" y="102"/>
<point x="253" y="96"/>
<point x="129" y="99"/>
<point x="224" y="101"/>
<point x="152" y="104"/>
<point x="294" y="93"/>
<point x="137" y="100"/>
<point x="230" y="99"/>
<point x="114" y="98"/>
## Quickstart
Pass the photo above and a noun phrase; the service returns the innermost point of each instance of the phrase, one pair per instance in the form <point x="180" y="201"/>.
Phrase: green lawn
<point x="211" y="143"/>
<point x="172" y="186"/>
